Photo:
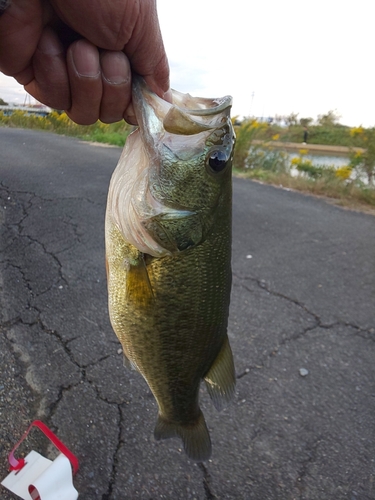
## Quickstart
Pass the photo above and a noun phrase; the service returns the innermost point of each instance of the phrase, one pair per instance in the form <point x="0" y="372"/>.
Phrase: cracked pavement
<point x="302" y="329"/>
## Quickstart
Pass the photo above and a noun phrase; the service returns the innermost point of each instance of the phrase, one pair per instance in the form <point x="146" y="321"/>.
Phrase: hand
<point x="78" y="55"/>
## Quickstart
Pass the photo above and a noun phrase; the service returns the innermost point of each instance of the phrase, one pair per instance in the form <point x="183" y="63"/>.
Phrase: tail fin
<point x="195" y="437"/>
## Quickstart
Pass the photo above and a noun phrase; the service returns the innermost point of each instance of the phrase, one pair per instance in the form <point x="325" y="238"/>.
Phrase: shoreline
<point x="317" y="148"/>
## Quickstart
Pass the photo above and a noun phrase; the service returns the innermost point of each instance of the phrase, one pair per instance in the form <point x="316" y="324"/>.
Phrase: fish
<point x="168" y="257"/>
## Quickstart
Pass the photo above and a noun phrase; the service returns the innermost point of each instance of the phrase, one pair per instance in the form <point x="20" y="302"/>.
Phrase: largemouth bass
<point x="168" y="252"/>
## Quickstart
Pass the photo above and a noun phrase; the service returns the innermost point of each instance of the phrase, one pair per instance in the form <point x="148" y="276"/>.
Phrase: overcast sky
<point x="273" y="57"/>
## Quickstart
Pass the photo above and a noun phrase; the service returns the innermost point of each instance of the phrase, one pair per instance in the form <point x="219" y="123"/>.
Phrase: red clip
<point x="17" y="464"/>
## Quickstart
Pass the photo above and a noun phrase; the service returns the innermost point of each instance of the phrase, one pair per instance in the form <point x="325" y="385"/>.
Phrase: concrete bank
<point x="313" y="148"/>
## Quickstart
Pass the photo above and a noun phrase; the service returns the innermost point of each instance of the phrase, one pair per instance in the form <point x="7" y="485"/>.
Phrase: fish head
<point x="182" y="185"/>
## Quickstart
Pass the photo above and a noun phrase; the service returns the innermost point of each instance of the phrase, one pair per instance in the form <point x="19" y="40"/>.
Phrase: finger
<point x="50" y="84"/>
<point x="146" y="50"/>
<point x="116" y="78"/>
<point x="85" y="82"/>
<point x="4" y="4"/>
<point x="20" y="27"/>
<point x="129" y="115"/>
<point x="128" y="25"/>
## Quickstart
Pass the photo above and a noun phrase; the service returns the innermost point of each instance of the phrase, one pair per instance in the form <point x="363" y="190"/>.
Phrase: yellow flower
<point x="103" y="126"/>
<point x="276" y="137"/>
<point x="303" y="151"/>
<point x="356" y="131"/>
<point x="296" y="160"/>
<point x="343" y="172"/>
<point x="64" y="118"/>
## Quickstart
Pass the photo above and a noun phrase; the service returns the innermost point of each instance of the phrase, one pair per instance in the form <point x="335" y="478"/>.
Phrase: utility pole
<point x="251" y="103"/>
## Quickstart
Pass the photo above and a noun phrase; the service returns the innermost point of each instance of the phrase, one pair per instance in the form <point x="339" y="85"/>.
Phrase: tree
<point x="291" y="119"/>
<point x="329" y="119"/>
<point x="278" y="119"/>
<point x="305" y="122"/>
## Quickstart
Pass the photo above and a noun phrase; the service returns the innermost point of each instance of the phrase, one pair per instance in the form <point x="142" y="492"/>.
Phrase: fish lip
<point x="151" y="110"/>
<point x="210" y="106"/>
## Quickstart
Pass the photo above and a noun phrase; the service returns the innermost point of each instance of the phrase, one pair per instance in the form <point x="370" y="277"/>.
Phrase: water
<point x="323" y="159"/>
<point x="326" y="160"/>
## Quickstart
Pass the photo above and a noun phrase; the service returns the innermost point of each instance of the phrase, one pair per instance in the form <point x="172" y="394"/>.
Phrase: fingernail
<point x="85" y="60"/>
<point x="129" y="115"/>
<point x="115" y="68"/>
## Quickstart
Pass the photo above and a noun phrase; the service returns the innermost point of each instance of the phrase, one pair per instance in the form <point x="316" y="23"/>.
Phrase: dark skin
<point x="79" y="55"/>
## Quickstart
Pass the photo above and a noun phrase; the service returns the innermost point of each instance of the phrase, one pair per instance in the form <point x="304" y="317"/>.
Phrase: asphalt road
<point x="302" y="328"/>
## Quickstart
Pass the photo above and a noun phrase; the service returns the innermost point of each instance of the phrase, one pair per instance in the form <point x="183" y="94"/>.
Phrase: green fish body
<point x="168" y="253"/>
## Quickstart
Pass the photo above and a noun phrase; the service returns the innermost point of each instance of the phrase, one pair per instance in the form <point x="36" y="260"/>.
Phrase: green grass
<point x="335" y="135"/>
<point x="60" y="123"/>
<point x="260" y="161"/>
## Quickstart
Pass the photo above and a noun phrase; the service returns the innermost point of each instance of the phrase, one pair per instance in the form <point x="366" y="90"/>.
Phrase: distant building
<point x="36" y="109"/>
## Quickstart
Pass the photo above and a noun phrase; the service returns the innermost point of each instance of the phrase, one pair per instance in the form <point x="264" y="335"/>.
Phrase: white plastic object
<point x="37" y="478"/>
<point x="42" y="479"/>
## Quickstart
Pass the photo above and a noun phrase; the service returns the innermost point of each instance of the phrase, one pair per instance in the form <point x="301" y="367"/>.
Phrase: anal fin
<point x="221" y="378"/>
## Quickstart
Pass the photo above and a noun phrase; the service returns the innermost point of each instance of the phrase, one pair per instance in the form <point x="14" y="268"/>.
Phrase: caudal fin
<point x="195" y="437"/>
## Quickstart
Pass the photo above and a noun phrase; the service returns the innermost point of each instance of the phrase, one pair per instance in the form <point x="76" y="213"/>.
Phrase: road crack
<point x="312" y="451"/>
<point x="207" y="482"/>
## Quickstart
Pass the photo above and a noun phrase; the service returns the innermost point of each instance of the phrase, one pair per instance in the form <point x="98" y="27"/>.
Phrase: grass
<point x="60" y="123"/>
<point x="335" y="134"/>
<point x="263" y="163"/>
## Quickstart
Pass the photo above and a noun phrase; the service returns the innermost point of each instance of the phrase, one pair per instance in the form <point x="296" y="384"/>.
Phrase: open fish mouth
<point x="186" y="115"/>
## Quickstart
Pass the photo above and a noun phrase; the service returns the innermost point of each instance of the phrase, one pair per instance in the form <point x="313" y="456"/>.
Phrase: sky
<point x="273" y="57"/>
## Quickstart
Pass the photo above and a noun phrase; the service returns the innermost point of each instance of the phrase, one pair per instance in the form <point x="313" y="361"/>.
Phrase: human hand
<point x="89" y="77"/>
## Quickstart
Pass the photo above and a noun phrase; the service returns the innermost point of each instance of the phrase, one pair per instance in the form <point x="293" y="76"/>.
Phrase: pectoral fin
<point x="221" y="379"/>
<point x="138" y="285"/>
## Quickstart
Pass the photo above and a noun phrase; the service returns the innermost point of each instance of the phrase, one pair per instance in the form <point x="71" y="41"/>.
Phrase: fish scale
<point x="169" y="304"/>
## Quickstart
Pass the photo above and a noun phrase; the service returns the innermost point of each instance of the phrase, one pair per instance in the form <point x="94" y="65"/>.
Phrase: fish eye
<point x="217" y="160"/>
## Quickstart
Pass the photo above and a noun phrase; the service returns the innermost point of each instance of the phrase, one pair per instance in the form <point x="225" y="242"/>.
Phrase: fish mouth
<point x="186" y="115"/>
